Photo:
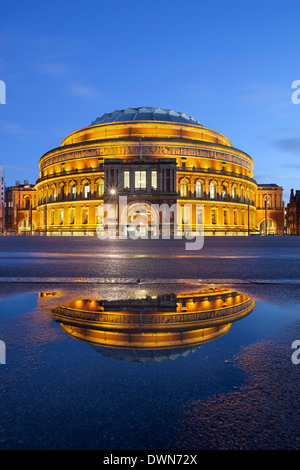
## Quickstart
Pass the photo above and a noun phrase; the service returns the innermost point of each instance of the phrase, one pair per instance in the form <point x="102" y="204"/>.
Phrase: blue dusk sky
<point x="230" y="64"/>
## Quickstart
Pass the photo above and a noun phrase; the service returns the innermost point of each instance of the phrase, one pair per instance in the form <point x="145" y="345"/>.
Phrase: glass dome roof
<point x="146" y="114"/>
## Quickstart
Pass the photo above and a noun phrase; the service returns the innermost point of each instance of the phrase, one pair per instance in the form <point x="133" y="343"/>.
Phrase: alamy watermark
<point x="296" y="94"/>
<point x="2" y="92"/>
<point x="296" y="354"/>
<point x="2" y="352"/>
<point x="121" y="220"/>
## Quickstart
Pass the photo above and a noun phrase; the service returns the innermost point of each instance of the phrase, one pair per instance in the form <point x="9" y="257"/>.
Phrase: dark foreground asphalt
<point x="240" y="391"/>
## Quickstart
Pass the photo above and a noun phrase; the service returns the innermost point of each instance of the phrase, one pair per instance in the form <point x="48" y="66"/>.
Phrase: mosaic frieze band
<point x="147" y="150"/>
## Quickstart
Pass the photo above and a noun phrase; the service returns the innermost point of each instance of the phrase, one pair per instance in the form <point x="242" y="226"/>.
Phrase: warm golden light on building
<point x="153" y="157"/>
<point x="159" y="328"/>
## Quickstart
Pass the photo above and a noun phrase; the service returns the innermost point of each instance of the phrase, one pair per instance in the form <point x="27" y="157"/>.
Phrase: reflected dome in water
<point x="153" y="329"/>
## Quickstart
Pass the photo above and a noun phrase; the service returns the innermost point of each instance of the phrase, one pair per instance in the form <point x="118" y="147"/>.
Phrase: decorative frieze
<point x="148" y="151"/>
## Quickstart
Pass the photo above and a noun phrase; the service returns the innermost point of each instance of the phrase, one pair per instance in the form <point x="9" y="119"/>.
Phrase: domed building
<point x="154" y="329"/>
<point x="153" y="157"/>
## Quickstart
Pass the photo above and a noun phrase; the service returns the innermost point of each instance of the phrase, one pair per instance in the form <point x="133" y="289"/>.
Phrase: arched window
<point x="242" y="195"/>
<point x="62" y="193"/>
<point x="198" y="189"/>
<point x="212" y="192"/>
<point x="233" y="192"/>
<point x="86" y="191"/>
<point x="183" y="188"/>
<point x="54" y="193"/>
<point x="27" y="203"/>
<point x="100" y="188"/>
<point x="73" y="191"/>
<point x="224" y="191"/>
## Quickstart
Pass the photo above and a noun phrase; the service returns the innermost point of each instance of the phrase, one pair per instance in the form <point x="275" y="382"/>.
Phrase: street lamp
<point x="266" y="212"/>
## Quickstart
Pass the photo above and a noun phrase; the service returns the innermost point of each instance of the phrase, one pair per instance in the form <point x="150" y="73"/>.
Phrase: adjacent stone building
<point x="20" y="209"/>
<point x="293" y="214"/>
<point x="2" y="200"/>
<point x="270" y="209"/>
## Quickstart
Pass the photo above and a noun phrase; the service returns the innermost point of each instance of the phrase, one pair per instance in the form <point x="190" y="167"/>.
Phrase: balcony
<point x="218" y="198"/>
<point x="62" y="197"/>
<point x="99" y="169"/>
<point x="208" y="171"/>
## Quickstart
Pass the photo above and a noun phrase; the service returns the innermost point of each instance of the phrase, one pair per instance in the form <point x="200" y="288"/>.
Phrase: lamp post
<point x="266" y="212"/>
<point x="248" y="218"/>
<point x="113" y="194"/>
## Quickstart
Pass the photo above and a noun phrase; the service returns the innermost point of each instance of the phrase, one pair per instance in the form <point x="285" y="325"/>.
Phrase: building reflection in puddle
<point x="154" y="329"/>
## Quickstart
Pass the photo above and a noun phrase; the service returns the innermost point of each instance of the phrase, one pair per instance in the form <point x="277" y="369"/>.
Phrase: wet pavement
<point x="105" y="377"/>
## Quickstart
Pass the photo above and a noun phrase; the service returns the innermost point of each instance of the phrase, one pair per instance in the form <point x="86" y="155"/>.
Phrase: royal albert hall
<point x="153" y="157"/>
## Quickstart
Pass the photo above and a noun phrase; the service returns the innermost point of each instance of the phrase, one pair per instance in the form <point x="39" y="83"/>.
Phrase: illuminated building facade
<point x="153" y="157"/>
<point x="2" y="200"/>
<point x="270" y="211"/>
<point x="20" y="209"/>
<point x="154" y="329"/>
<point x="293" y="214"/>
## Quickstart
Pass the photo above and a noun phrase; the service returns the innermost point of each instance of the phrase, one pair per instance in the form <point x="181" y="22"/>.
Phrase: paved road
<point x="269" y="258"/>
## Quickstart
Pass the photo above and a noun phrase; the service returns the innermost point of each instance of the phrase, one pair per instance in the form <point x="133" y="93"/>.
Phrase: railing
<point x="70" y="197"/>
<point x="61" y="197"/>
<point x="171" y="318"/>
<point x="99" y="169"/>
<point x="216" y="172"/>
<point x="95" y="196"/>
<point x="270" y="208"/>
<point x="219" y="197"/>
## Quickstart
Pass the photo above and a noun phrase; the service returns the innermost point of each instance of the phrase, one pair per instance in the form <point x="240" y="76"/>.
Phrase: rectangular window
<point x="72" y="217"/>
<point x="213" y="216"/>
<point x="74" y="192"/>
<point x="168" y="180"/>
<point x="199" y="215"/>
<point x="61" y="216"/>
<point x="140" y="180"/>
<point x="185" y="215"/>
<point x="225" y="218"/>
<point x="126" y="179"/>
<point x="154" y="179"/>
<point x="85" y="217"/>
<point x="235" y="218"/>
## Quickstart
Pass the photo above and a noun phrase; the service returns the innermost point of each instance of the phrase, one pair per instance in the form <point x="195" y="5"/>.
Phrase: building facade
<point x="293" y="214"/>
<point x="2" y="200"/>
<point x="20" y="209"/>
<point x="152" y="158"/>
<point x="270" y="209"/>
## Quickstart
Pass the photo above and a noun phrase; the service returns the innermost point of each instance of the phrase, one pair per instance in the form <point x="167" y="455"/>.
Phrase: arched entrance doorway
<point x="271" y="227"/>
<point x="139" y="220"/>
<point x="26" y="227"/>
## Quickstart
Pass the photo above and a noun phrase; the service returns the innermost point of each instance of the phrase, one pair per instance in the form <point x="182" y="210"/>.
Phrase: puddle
<point x="17" y="305"/>
<point x="116" y="369"/>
